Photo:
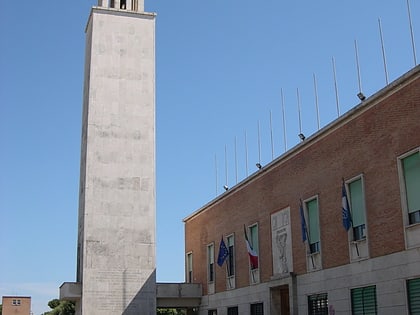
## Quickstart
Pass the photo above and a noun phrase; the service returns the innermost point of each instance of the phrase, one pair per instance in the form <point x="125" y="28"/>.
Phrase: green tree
<point x="61" y="307"/>
<point x="1" y="309"/>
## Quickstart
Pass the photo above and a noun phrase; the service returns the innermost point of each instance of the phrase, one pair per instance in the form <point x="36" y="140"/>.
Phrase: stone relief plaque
<point x="281" y="240"/>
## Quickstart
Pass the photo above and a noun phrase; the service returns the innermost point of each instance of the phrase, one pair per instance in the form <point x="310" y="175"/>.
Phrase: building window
<point x="112" y="4"/>
<point x="413" y="296"/>
<point x="363" y="301"/>
<point x="134" y="5"/>
<point x="123" y="4"/>
<point x="210" y="262"/>
<point x="16" y="302"/>
<point x="318" y="304"/>
<point x="231" y="257"/>
<point x="212" y="312"/>
<point x="257" y="309"/>
<point x="411" y="172"/>
<point x="253" y="239"/>
<point x="357" y="206"/>
<point x="232" y="310"/>
<point x="189" y="268"/>
<point x="313" y="225"/>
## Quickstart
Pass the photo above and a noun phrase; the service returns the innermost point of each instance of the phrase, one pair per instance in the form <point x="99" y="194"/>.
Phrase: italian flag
<point x="253" y="256"/>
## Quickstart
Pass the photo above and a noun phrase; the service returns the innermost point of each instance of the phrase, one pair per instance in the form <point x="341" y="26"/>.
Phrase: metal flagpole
<point x="336" y="87"/>
<point x="411" y="32"/>
<point x="246" y="154"/>
<point x="316" y="100"/>
<point x="259" y="143"/>
<point x="359" y="80"/>
<point x="284" y="121"/>
<point x="298" y="106"/>
<point x="226" y="167"/>
<point x="215" y="164"/>
<point x="383" y="51"/>
<point x="236" y="163"/>
<point x="271" y="135"/>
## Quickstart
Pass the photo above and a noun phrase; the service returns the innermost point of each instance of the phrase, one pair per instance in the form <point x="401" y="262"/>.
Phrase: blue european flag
<point x="303" y="224"/>
<point x="223" y="253"/>
<point x="345" y="208"/>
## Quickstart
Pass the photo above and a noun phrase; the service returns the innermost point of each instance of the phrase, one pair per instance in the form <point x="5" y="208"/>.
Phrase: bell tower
<point x="130" y="5"/>
<point x="116" y="232"/>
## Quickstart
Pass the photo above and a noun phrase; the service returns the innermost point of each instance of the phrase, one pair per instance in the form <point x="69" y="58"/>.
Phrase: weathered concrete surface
<point x="116" y="246"/>
<point x="178" y="295"/>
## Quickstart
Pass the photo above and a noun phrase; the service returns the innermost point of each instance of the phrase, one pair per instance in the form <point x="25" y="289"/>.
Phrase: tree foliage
<point x="61" y="307"/>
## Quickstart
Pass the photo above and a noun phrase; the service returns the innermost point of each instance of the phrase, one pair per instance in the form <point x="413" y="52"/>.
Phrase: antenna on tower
<point x="360" y="95"/>
<point x="336" y="88"/>
<point x="383" y="51"/>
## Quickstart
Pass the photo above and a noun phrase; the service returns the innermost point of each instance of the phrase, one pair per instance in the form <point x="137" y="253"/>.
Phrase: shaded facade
<point x="291" y="212"/>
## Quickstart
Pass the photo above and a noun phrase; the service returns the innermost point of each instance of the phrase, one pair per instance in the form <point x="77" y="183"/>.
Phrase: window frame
<point x="363" y="226"/>
<point x="409" y="300"/>
<point x="314" y="247"/>
<point x="231" y="263"/>
<point x="319" y="299"/>
<point x="16" y="302"/>
<point x="189" y="267"/>
<point x="210" y="263"/>
<point x="403" y="188"/>
<point x="353" y="290"/>
<point x="235" y="310"/>
<point x="254" y="311"/>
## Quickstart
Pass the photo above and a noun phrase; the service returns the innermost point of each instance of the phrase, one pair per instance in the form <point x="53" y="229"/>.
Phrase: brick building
<point x="16" y="305"/>
<point x="371" y="268"/>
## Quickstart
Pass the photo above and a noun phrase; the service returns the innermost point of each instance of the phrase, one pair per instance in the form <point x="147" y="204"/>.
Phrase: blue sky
<point x="221" y="66"/>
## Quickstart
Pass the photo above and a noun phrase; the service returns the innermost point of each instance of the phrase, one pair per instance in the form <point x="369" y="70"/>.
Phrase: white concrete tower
<point x="116" y="240"/>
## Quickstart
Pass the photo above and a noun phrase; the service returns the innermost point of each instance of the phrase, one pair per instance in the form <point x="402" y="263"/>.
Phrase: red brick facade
<point x="16" y="305"/>
<point x="367" y="140"/>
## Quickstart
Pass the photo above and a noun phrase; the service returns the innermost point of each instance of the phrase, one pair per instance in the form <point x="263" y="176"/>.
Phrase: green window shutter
<point x="411" y="167"/>
<point x="254" y="237"/>
<point x="313" y="221"/>
<point x="413" y="293"/>
<point x="363" y="301"/>
<point x="357" y="202"/>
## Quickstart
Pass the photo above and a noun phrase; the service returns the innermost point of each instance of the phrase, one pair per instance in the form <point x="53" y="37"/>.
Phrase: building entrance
<point x="280" y="304"/>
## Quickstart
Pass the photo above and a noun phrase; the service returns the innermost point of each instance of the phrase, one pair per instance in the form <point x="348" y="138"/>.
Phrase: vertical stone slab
<point x="116" y="246"/>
